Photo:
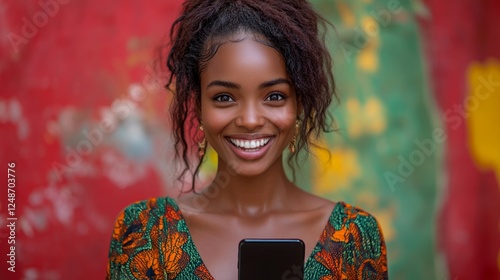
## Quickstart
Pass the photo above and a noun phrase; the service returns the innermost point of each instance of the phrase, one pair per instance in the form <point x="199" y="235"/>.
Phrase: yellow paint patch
<point x="209" y="166"/>
<point x="354" y="118"/>
<point x="367" y="59"/>
<point x="482" y="109"/>
<point x="375" y="116"/>
<point x="334" y="170"/>
<point x="346" y="14"/>
<point x="369" y="118"/>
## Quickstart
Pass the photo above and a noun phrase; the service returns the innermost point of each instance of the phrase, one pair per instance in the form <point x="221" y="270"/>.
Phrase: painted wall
<point x="464" y="63"/>
<point x="83" y="117"/>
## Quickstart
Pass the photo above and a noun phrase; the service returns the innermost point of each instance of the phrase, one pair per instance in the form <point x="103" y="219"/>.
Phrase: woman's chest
<point x="216" y="239"/>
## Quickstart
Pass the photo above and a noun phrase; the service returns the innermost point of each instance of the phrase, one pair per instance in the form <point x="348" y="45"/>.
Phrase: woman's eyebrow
<point x="223" y="84"/>
<point x="237" y="86"/>
<point x="275" y="82"/>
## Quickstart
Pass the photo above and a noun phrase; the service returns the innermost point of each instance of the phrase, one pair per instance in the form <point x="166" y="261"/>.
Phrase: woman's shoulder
<point x="346" y="214"/>
<point x="142" y="216"/>
<point x="147" y="209"/>
<point x="358" y="235"/>
<point x="356" y="222"/>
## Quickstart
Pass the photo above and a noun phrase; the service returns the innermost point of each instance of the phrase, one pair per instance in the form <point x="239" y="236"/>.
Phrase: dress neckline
<point x="197" y="255"/>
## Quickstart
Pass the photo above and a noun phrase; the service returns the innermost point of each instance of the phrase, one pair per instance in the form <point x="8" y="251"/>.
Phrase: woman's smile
<point x="250" y="149"/>
<point x="249" y="145"/>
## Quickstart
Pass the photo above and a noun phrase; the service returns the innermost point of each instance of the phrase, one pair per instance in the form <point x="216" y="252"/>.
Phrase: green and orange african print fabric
<point x="151" y="241"/>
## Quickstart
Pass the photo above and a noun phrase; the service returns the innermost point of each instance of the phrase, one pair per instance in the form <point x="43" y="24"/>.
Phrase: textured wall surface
<point x="83" y="117"/>
<point x="464" y="58"/>
<point x="384" y="157"/>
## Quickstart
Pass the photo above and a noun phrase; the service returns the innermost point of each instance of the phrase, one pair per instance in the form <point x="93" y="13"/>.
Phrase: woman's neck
<point x="250" y="195"/>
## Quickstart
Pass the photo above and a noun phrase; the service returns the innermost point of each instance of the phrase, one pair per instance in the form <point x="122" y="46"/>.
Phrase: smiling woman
<point x="256" y="78"/>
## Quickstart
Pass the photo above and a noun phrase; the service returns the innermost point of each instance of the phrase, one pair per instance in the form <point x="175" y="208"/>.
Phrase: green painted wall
<point x="384" y="157"/>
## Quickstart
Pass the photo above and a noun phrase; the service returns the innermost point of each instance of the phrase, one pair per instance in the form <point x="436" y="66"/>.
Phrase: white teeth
<point x="250" y="144"/>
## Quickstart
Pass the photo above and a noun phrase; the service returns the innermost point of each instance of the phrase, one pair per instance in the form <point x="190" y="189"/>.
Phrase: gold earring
<point x="202" y="145"/>
<point x="292" y="144"/>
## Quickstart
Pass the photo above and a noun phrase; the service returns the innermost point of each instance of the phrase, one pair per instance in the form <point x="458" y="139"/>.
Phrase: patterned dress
<point x="151" y="241"/>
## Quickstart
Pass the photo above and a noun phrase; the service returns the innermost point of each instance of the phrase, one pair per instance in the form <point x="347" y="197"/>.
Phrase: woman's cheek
<point x="284" y="118"/>
<point x="214" y="123"/>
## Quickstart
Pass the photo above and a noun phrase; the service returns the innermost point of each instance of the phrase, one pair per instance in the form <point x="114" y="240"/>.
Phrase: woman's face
<point x="248" y="105"/>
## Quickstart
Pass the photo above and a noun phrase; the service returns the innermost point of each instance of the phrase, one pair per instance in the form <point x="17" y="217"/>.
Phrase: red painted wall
<point x="458" y="35"/>
<point x="67" y="68"/>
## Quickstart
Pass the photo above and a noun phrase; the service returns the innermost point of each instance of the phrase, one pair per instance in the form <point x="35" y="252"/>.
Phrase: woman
<point x="256" y="77"/>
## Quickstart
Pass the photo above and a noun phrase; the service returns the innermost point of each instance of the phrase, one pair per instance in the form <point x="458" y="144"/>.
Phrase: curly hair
<point x="290" y="26"/>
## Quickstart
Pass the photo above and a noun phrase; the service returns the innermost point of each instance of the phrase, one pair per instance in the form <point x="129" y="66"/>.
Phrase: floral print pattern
<point x="151" y="240"/>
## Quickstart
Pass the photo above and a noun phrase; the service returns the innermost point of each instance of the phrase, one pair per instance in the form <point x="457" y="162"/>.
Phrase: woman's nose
<point x="250" y="117"/>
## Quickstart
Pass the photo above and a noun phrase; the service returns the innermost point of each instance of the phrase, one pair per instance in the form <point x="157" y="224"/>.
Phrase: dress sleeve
<point x="134" y="247"/>
<point x="368" y="254"/>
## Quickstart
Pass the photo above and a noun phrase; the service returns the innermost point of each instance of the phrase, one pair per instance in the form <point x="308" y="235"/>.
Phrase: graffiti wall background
<point x="84" y="127"/>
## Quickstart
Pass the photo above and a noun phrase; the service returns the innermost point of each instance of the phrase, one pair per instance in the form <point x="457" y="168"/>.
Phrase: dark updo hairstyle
<point x="290" y="26"/>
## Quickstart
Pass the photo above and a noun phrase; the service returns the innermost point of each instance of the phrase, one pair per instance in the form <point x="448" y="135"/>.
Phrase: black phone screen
<point x="271" y="259"/>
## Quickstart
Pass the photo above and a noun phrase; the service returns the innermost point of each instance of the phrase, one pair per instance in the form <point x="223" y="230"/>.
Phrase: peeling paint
<point x="121" y="171"/>
<point x="11" y="112"/>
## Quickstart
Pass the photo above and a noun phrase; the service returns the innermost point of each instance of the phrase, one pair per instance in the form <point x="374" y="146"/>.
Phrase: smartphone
<point x="271" y="259"/>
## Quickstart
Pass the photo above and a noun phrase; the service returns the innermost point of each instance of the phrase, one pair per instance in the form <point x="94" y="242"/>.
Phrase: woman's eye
<point x="275" y="97"/>
<point x="223" y="98"/>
